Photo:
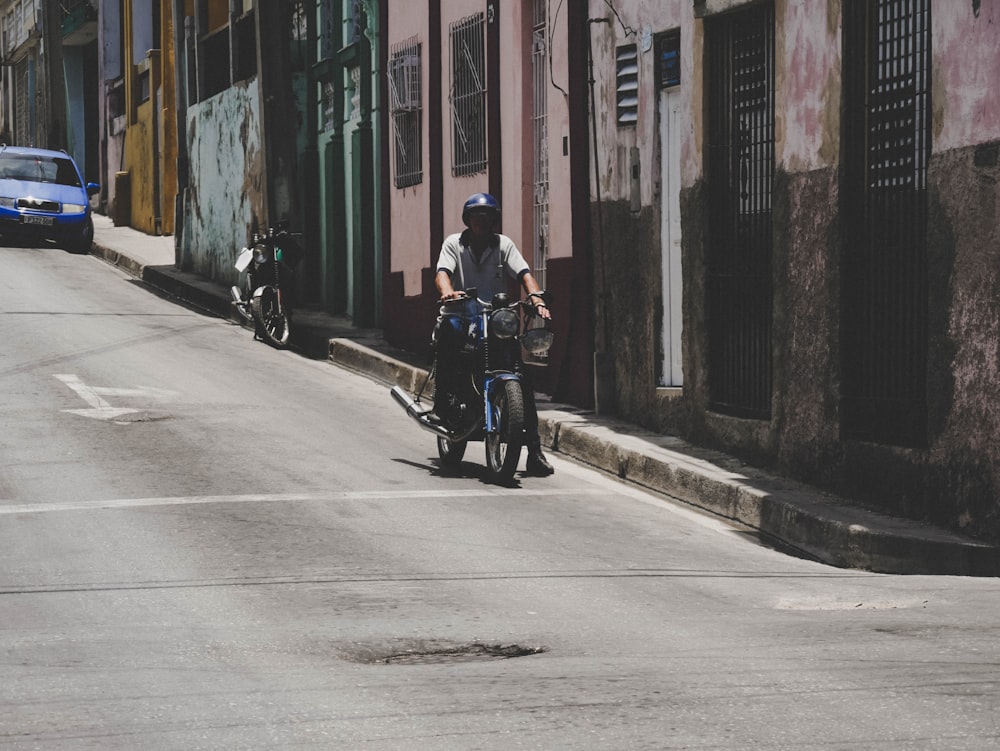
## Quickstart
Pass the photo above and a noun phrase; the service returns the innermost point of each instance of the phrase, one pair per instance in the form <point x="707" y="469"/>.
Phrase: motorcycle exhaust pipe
<point x="419" y="413"/>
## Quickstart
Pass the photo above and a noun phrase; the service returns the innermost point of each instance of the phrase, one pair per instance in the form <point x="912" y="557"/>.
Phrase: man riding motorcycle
<point x="481" y="258"/>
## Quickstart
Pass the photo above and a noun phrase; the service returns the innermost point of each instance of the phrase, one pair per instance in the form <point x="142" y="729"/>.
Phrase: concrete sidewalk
<point x="818" y="524"/>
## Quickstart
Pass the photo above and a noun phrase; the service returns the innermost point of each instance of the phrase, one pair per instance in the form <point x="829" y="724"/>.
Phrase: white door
<point x="670" y="235"/>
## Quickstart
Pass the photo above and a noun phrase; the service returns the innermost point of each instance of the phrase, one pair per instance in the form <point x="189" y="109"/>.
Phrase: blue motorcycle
<point x="478" y="392"/>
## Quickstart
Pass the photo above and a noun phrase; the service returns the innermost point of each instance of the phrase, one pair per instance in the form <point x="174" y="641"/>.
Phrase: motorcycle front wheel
<point x="273" y="324"/>
<point x="451" y="452"/>
<point x="503" y="445"/>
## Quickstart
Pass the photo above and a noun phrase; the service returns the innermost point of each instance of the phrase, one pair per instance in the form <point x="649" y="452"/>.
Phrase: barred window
<point x="468" y="96"/>
<point x="404" y="91"/>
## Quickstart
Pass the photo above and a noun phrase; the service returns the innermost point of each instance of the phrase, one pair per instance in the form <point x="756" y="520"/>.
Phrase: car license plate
<point x="45" y="221"/>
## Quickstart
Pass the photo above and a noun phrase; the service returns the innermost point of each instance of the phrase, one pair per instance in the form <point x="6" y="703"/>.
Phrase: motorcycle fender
<point x="243" y="260"/>
<point x="491" y="384"/>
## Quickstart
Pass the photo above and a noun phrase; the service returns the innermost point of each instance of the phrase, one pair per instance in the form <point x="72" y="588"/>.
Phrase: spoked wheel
<point x="273" y="324"/>
<point x="451" y="452"/>
<point x="503" y="445"/>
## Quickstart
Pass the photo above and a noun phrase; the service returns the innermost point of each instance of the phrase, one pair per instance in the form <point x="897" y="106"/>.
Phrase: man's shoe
<point x="538" y="465"/>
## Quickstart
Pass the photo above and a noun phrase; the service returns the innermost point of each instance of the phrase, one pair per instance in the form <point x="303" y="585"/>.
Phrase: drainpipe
<point x="183" y="27"/>
<point x="604" y="372"/>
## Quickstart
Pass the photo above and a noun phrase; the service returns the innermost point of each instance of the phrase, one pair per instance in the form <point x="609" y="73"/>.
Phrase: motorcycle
<point x="479" y="394"/>
<point x="268" y="261"/>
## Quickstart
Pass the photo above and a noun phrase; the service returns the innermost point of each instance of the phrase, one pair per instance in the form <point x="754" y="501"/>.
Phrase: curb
<point x="815" y="524"/>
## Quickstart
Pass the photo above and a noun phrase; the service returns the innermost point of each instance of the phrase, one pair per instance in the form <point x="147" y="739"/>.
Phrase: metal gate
<point x="24" y="107"/>
<point x="741" y="174"/>
<point x="887" y="78"/>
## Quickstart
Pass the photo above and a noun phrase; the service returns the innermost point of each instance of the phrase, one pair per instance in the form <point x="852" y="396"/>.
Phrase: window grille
<point x="627" y="84"/>
<point x="539" y="67"/>
<point x="468" y="95"/>
<point x="540" y="160"/>
<point x="668" y="55"/>
<point x="404" y="91"/>
<point x="24" y="125"/>
<point x="298" y="37"/>
<point x="739" y="295"/>
<point x="329" y="42"/>
<point x="887" y="75"/>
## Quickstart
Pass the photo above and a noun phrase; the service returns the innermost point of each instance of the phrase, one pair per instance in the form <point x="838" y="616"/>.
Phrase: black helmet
<point x="481" y="201"/>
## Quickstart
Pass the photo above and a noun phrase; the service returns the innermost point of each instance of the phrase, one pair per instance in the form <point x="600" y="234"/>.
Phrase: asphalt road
<point x="206" y="543"/>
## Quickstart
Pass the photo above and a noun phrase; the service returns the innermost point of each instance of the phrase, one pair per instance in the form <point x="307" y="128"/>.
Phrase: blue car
<point x="43" y="197"/>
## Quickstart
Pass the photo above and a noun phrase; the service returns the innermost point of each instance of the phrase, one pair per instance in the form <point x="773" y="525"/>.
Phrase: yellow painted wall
<point x="139" y="156"/>
<point x="168" y="115"/>
<point x="150" y="156"/>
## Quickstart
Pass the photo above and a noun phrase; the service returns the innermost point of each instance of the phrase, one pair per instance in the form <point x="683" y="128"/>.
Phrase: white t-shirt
<point x="486" y="274"/>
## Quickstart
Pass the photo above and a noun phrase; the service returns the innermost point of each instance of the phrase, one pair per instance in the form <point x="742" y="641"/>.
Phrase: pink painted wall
<point x="807" y="84"/>
<point x="966" y="48"/>
<point x="408" y="207"/>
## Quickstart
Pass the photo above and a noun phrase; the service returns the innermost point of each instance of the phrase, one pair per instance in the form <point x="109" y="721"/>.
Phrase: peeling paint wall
<point x="954" y="479"/>
<point x="966" y="59"/>
<point x="223" y="202"/>
<point x="807" y="84"/>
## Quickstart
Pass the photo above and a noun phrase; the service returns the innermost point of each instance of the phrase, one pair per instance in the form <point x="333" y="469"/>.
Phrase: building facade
<point x="799" y="202"/>
<point x="490" y="97"/>
<point x="48" y="89"/>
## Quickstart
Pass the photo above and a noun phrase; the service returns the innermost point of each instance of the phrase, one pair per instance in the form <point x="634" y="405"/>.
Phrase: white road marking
<point x="124" y="503"/>
<point x="101" y="409"/>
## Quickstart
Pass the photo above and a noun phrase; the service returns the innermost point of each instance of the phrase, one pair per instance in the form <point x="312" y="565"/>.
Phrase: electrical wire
<point x="548" y="43"/>
<point x="629" y="31"/>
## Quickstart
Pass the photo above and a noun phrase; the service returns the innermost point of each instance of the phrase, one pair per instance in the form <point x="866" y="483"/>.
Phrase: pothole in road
<point x="140" y="416"/>
<point x="428" y="654"/>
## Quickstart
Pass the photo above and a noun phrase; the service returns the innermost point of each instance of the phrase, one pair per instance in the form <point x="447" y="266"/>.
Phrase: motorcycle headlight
<point x="261" y="254"/>
<point x="537" y="341"/>
<point x="504" y="323"/>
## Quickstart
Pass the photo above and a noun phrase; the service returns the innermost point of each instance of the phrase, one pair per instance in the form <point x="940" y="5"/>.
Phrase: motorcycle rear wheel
<point x="451" y="452"/>
<point x="503" y="445"/>
<point x="273" y="324"/>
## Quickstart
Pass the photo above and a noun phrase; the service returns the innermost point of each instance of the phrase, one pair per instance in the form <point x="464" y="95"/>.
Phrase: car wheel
<point x="85" y="242"/>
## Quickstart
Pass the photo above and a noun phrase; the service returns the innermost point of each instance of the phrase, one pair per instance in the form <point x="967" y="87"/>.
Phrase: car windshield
<point x="38" y="169"/>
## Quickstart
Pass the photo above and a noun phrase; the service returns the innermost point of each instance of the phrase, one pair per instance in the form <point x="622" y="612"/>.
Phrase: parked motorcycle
<point x="478" y="390"/>
<point x="268" y="263"/>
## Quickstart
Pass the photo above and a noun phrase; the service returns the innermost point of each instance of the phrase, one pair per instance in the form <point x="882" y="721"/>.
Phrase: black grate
<point x="404" y="78"/>
<point x="468" y="95"/>
<point x="739" y="290"/>
<point x="886" y="152"/>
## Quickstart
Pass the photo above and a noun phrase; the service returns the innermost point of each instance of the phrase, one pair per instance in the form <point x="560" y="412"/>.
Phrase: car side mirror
<point x="93" y="189"/>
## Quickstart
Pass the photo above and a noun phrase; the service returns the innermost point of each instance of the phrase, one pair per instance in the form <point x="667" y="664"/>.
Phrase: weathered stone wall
<point x="955" y="479"/>
<point x="223" y="201"/>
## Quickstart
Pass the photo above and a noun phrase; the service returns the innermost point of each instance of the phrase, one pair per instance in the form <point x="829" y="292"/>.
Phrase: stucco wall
<point x="807" y="84"/>
<point x="966" y="57"/>
<point x="412" y="252"/>
<point x="954" y="479"/>
<point x="139" y="159"/>
<point x="223" y="199"/>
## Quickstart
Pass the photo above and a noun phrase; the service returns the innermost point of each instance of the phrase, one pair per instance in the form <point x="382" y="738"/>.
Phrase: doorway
<point x="669" y="371"/>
